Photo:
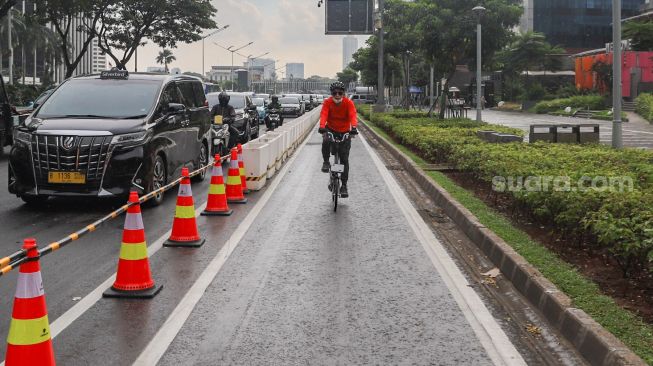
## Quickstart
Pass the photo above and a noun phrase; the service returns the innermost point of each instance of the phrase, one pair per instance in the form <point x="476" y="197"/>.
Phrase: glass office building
<point x="576" y="24"/>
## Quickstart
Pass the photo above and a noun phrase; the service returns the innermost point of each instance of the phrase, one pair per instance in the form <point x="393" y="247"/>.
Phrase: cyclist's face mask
<point x="338" y="95"/>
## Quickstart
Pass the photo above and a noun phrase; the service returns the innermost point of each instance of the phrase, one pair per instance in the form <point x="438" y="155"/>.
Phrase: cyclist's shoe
<point x="343" y="192"/>
<point x="326" y="166"/>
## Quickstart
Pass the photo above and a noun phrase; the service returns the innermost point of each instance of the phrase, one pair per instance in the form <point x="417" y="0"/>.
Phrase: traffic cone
<point x="184" y="226"/>
<point x="134" y="279"/>
<point x="217" y="202"/>
<point x="29" y="341"/>
<point x="234" y="183"/>
<point x="241" y="169"/>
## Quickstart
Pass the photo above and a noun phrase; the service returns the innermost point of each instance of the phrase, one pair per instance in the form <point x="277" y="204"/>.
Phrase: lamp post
<point x="479" y="11"/>
<point x="380" y="92"/>
<point x="232" y="59"/>
<point x="617" y="138"/>
<point x="205" y="37"/>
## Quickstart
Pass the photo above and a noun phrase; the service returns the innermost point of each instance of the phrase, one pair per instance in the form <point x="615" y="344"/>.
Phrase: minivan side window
<point x="169" y="95"/>
<point x="200" y="97"/>
<point x="188" y="94"/>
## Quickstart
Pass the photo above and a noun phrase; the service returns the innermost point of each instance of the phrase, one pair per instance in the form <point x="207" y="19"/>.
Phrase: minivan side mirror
<point x="175" y="108"/>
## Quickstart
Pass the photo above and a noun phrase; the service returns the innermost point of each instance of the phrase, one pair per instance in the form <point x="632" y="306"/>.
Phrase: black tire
<point x="158" y="179"/>
<point x="202" y="160"/>
<point x="255" y="136"/>
<point x="35" y="201"/>
<point x="248" y="133"/>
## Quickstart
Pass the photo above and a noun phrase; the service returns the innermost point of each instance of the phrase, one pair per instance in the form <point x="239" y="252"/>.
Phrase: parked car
<point x="290" y="106"/>
<point x="363" y="98"/>
<point x="260" y="108"/>
<point x="245" y="126"/>
<point x="105" y="134"/>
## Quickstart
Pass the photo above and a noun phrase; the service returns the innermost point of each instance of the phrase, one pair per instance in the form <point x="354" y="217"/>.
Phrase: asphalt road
<point x="80" y="267"/>
<point x="284" y="280"/>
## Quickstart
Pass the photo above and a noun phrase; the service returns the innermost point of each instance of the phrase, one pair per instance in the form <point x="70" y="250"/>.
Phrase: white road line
<point x="488" y="331"/>
<point x="167" y="333"/>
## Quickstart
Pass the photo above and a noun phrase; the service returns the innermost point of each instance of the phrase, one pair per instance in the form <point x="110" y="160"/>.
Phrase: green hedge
<point x="621" y="222"/>
<point x="644" y="106"/>
<point x="593" y="102"/>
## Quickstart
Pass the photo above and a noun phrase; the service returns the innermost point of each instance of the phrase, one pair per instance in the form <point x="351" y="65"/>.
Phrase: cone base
<point x="244" y="200"/>
<point x="184" y="244"/>
<point x="140" y="294"/>
<point x="217" y="213"/>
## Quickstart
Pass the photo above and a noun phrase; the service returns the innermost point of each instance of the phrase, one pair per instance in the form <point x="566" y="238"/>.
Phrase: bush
<point x="593" y="102"/>
<point x="644" y="106"/>
<point x="534" y="91"/>
<point x="620" y="220"/>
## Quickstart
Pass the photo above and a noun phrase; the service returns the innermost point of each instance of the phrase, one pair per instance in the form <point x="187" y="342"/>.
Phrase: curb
<point x="597" y="345"/>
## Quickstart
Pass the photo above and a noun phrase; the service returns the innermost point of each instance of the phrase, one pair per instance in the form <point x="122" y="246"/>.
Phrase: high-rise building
<point x="575" y="24"/>
<point x="267" y="64"/>
<point x="294" y="71"/>
<point x="99" y="57"/>
<point x="349" y="47"/>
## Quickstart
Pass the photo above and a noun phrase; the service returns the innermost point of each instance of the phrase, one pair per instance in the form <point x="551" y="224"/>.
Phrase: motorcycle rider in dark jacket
<point x="274" y="104"/>
<point x="228" y="114"/>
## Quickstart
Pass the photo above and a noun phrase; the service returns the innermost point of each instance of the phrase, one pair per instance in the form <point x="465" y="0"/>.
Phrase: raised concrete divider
<point x="256" y="156"/>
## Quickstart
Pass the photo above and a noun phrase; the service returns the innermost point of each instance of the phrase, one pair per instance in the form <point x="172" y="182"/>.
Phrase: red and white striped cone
<point x="134" y="278"/>
<point x="29" y="341"/>
<point x="217" y="202"/>
<point x="241" y="169"/>
<point x="184" y="226"/>
<point x="234" y="183"/>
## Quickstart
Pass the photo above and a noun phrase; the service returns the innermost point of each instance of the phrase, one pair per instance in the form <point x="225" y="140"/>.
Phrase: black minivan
<point x="103" y="135"/>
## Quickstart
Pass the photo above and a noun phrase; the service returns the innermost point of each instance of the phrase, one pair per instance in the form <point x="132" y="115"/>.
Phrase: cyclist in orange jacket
<point x="338" y="116"/>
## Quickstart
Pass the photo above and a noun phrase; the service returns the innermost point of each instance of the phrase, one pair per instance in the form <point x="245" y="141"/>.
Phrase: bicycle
<point x="336" y="169"/>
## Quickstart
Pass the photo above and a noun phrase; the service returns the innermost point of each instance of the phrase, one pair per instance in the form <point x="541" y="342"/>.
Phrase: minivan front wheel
<point x="158" y="179"/>
<point x="203" y="160"/>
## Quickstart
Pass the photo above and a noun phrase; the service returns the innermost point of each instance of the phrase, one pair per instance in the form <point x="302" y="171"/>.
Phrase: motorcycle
<point x="221" y="137"/>
<point x="274" y="119"/>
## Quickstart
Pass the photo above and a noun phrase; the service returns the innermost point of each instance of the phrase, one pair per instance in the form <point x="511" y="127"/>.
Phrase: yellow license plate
<point x="217" y="120"/>
<point x="67" y="177"/>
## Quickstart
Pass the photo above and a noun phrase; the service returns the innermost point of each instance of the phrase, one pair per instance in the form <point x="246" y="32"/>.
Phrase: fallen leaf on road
<point x="532" y="329"/>
<point x="77" y="298"/>
<point x="494" y="272"/>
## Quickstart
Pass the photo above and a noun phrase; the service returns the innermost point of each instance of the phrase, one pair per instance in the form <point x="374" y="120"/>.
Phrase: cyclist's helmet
<point x="337" y="85"/>
<point x="275" y="99"/>
<point x="223" y="99"/>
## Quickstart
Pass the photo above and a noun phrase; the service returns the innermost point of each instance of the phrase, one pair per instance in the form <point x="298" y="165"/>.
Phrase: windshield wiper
<point x="80" y="116"/>
<point x="135" y="117"/>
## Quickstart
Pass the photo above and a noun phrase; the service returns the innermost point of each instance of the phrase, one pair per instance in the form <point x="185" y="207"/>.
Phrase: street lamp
<point x="617" y="138"/>
<point x="207" y="36"/>
<point x="479" y="11"/>
<point x="380" y="92"/>
<point x="232" y="59"/>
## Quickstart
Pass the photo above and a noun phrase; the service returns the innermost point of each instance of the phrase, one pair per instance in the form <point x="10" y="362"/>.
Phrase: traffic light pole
<point x="617" y="138"/>
<point x="380" y="92"/>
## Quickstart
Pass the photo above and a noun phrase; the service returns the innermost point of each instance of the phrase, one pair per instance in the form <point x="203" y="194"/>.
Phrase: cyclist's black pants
<point x="343" y="152"/>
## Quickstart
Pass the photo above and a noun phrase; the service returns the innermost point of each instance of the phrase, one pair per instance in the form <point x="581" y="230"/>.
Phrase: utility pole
<point x="617" y="138"/>
<point x="380" y="92"/>
<point x="479" y="11"/>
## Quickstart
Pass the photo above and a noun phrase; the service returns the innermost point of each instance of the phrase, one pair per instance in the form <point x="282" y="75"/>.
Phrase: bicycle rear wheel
<point x="336" y="184"/>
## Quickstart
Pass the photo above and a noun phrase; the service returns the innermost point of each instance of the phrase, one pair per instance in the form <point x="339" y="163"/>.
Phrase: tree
<point x="165" y="57"/>
<point x="529" y="51"/>
<point x="640" y="33"/>
<point x="126" y="25"/>
<point x="347" y="76"/>
<point x="61" y="15"/>
<point x="5" y="5"/>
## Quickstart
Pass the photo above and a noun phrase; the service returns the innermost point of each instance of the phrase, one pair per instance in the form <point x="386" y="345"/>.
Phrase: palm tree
<point x="165" y="57"/>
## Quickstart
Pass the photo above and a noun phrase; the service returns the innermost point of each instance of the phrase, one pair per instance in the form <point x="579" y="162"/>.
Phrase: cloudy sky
<point x="291" y="30"/>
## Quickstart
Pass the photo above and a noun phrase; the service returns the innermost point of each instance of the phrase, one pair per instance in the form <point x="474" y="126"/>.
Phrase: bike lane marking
<point x="168" y="331"/>
<point x="499" y="348"/>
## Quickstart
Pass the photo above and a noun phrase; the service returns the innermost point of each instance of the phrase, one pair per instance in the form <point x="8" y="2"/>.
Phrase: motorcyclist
<point x="338" y="115"/>
<point x="228" y="114"/>
<point x="274" y="104"/>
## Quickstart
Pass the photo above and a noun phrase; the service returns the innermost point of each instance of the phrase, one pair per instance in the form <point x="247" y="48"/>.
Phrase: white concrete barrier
<point x="276" y="138"/>
<point x="256" y="156"/>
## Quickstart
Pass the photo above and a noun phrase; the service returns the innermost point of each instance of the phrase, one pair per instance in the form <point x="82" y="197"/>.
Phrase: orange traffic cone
<point x="29" y="341"/>
<point x="241" y="169"/>
<point x="134" y="279"/>
<point x="234" y="182"/>
<point x="184" y="226"/>
<point x="217" y="202"/>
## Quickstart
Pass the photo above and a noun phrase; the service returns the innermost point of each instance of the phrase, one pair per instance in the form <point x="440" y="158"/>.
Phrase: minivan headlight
<point x="130" y="139"/>
<point x="21" y="136"/>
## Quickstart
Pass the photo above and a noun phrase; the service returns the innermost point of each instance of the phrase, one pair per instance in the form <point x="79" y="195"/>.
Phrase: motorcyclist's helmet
<point x="223" y="99"/>
<point x="337" y="85"/>
<point x="275" y="99"/>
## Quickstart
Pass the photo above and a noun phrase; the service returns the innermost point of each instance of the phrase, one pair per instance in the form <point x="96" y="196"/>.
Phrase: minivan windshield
<point x="95" y="98"/>
<point x="237" y="101"/>
<point x="259" y="102"/>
